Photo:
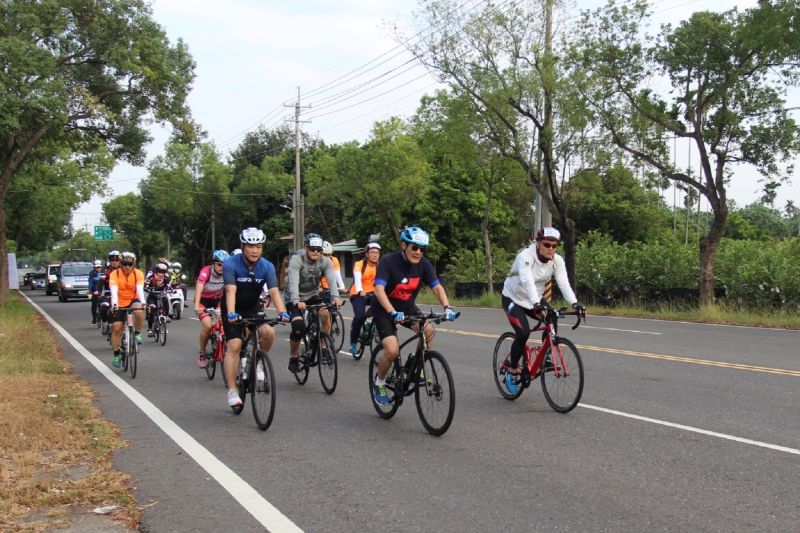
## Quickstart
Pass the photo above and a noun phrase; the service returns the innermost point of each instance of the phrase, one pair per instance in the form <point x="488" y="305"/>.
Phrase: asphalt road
<point x="682" y="426"/>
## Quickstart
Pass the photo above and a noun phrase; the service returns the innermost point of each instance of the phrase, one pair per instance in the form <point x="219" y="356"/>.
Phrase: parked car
<point x="52" y="278"/>
<point x="37" y="280"/>
<point x="73" y="280"/>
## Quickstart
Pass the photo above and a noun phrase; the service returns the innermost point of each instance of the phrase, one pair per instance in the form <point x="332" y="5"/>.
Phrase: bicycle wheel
<point x="301" y="376"/>
<point x="502" y="352"/>
<point x="436" y="395"/>
<point x="563" y="386"/>
<point x="327" y="365"/>
<point x="133" y="352"/>
<point x="337" y="330"/>
<point x="162" y="330"/>
<point x="211" y="364"/>
<point x="392" y="385"/>
<point x="262" y="390"/>
<point x="123" y="345"/>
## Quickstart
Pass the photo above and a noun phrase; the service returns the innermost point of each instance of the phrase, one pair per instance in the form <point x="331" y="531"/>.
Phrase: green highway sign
<point x="103" y="233"/>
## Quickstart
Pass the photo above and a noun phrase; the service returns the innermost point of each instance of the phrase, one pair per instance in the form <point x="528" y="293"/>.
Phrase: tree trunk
<point x="708" y="252"/>
<point x="568" y="236"/>
<point x="3" y="256"/>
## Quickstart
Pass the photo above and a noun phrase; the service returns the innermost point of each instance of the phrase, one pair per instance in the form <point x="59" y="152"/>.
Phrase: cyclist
<point x="362" y="289"/>
<point x="127" y="292"/>
<point x="244" y="276"/>
<point x="155" y="283"/>
<point x="399" y="278"/>
<point x="178" y="278"/>
<point x="94" y="279"/>
<point x="532" y="269"/>
<point x="104" y="297"/>
<point x="207" y="294"/>
<point x="327" y="251"/>
<point x="304" y="274"/>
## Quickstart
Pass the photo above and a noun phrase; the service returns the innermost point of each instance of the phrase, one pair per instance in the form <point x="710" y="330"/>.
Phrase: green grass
<point x="719" y="314"/>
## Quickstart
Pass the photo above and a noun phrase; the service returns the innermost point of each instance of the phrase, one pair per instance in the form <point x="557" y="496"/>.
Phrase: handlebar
<point x="436" y="318"/>
<point x="260" y="318"/>
<point x="552" y="313"/>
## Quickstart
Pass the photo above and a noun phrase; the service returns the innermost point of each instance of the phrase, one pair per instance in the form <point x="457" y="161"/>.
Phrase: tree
<point x="81" y="75"/>
<point x="727" y="75"/>
<point x="125" y="214"/>
<point x="502" y="58"/>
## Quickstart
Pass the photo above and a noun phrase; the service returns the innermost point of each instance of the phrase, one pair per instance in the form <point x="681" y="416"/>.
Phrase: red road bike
<point x="557" y="361"/>
<point x="215" y="349"/>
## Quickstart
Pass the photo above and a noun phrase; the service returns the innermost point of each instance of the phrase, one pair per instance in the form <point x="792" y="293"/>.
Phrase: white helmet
<point x="371" y="245"/>
<point x="176" y="265"/>
<point x="128" y="256"/>
<point x="98" y="263"/>
<point x="327" y="248"/>
<point x="252" y="236"/>
<point x="161" y="267"/>
<point x="236" y="251"/>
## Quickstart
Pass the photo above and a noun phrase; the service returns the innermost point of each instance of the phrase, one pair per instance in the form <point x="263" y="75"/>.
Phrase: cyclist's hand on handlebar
<point x="199" y="310"/>
<point x="450" y="313"/>
<point x="339" y="302"/>
<point x="233" y="317"/>
<point x="580" y="308"/>
<point x="398" y="316"/>
<point x="538" y="310"/>
<point x="284" y="317"/>
<point x="301" y="306"/>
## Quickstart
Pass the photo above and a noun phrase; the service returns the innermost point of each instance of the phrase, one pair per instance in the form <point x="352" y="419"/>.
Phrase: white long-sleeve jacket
<point x="525" y="285"/>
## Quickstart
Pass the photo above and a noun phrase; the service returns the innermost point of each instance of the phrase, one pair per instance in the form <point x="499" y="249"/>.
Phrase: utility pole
<point x="298" y="202"/>
<point x="549" y="74"/>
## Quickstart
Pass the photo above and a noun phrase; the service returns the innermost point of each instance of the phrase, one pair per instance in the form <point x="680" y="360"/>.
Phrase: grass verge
<point x="720" y="314"/>
<point x="56" y="446"/>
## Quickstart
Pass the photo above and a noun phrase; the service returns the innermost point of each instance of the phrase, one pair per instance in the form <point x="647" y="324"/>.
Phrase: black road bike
<point x="318" y="349"/>
<point x="425" y="374"/>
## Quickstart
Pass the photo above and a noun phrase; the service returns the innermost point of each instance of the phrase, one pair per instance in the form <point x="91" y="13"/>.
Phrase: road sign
<point x="103" y="233"/>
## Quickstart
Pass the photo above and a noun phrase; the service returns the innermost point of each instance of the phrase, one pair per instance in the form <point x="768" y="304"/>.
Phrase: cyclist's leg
<point x="117" y="321"/>
<point x="518" y="319"/>
<point x="152" y="299"/>
<point x="358" y="304"/>
<point x="266" y="337"/>
<point x="94" y="308"/>
<point x="138" y="316"/>
<point x="387" y="331"/>
<point x="298" y="326"/>
<point x="233" y="345"/>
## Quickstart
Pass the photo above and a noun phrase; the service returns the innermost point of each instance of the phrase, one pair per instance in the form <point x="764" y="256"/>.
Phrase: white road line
<point x="760" y="444"/>
<point x="255" y="504"/>
<point x="623" y="330"/>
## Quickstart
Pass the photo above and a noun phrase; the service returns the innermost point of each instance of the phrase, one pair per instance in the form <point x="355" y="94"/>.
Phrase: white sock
<point x="380" y="381"/>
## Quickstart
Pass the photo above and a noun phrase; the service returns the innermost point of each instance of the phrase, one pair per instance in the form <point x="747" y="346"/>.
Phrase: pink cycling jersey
<point x="213" y="282"/>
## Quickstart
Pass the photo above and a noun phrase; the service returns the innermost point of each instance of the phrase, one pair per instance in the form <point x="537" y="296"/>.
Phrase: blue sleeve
<point x="429" y="276"/>
<point x="92" y="281"/>
<point x="382" y="273"/>
<point x="229" y="271"/>
<point x="270" y="276"/>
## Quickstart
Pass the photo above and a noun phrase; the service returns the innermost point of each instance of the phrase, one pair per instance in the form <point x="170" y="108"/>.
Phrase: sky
<point x="344" y="56"/>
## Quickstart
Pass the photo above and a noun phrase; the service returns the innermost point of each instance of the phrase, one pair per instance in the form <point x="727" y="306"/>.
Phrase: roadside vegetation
<point x="56" y="460"/>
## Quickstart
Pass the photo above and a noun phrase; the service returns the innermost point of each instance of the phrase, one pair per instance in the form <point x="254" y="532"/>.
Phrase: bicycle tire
<point x="502" y="351"/>
<point x="327" y="362"/>
<point x="133" y="352"/>
<point x="337" y="330"/>
<point x="301" y="376"/>
<point x="392" y="379"/>
<point x="211" y="364"/>
<point x="436" y="397"/>
<point x="563" y="391"/>
<point x="242" y="384"/>
<point x="123" y="344"/>
<point x="262" y="394"/>
<point x="162" y="330"/>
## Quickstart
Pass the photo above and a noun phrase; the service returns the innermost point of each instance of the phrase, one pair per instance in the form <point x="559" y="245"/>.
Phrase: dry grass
<point x="56" y="446"/>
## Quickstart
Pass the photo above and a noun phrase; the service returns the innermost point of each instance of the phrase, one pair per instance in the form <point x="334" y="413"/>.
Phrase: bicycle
<point x="366" y="337"/>
<point x="258" y="379"/>
<point x="215" y="349"/>
<point x="337" y="329"/>
<point x="127" y="345"/>
<point x="557" y="361"/>
<point x="317" y="350"/>
<point x="425" y="374"/>
<point x="103" y="309"/>
<point x="160" y="319"/>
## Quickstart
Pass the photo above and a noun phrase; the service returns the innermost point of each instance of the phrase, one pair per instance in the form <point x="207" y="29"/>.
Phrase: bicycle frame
<point x="218" y="331"/>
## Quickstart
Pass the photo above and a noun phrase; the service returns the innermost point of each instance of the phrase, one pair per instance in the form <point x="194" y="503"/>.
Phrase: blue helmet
<point x="415" y="235"/>
<point x="219" y="255"/>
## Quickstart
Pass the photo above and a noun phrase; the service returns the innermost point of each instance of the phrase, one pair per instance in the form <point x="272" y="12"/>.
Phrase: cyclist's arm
<point x="440" y="293"/>
<point x="330" y="275"/>
<point x="383" y="300"/>
<point x="198" y="293"/>
<point x="526" y="279"/>
<point x="357" y="279"/>
<point x="339" y="280"/>
<point x="293" y="281"/>
<point x="140" y="291"/>
<point x="230" y="298"/>
<point x="277" y="301"/>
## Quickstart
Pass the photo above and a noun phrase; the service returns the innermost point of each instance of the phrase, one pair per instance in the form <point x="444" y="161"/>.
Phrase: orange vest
<point x="335" y="268"/>
<point x="367" y="277"/>
<point x="126" y="285"/>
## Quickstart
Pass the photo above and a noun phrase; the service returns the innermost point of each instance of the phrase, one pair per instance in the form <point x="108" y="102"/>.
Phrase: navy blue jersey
<point x="402" y="280"/>
<point x="249" y="281"/>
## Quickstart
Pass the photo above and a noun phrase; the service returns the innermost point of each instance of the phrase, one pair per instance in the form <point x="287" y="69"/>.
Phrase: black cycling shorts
<point x="386" y="326"/>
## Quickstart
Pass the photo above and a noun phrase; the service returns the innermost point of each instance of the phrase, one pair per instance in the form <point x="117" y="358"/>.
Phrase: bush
<point x="470" y="265"/>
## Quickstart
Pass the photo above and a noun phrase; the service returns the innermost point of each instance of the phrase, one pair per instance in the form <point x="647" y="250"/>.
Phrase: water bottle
<point x="244" y="366"/>
<point x="365" y="329"/>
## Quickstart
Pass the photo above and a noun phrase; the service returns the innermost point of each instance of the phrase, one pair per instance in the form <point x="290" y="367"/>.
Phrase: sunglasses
<point x="112" y="259"/>
<point x="217" y="263"/>
<point x="315" y="249"/>
<point x="418" y="248"/>
<point x="550" y="245"/>
<point x="127" y="263"/>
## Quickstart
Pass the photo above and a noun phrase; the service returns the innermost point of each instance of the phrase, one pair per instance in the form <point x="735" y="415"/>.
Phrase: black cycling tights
<point x="518" y="318"/>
